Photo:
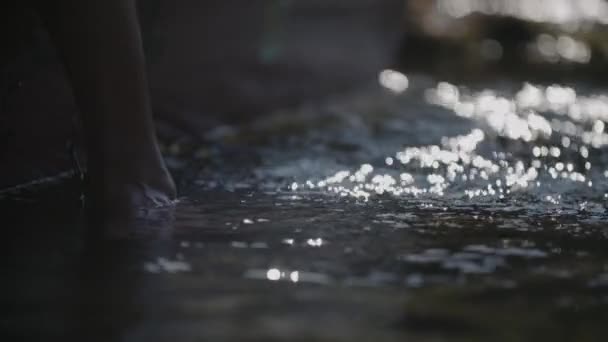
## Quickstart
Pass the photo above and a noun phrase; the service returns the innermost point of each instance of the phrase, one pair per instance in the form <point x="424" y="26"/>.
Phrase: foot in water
<point x="100" y="44"/>
<point x="126" y="197"/>
<point x="129" y="193"/>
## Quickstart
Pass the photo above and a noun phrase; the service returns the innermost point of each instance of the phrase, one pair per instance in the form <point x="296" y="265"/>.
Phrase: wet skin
<point x="100" y="44"/>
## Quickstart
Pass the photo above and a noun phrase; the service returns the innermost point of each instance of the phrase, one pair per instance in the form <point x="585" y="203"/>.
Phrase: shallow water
<point x="433" y="213"/>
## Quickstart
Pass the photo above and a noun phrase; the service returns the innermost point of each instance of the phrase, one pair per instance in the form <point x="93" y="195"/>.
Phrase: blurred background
<point x="351" y="170"/>
<point x="220" y="63"/>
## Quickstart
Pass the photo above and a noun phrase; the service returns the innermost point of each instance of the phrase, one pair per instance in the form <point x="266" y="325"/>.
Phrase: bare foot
<point x="126" y="203"/>
<point x="128" y="192"/>
<point x="100" y="43"/>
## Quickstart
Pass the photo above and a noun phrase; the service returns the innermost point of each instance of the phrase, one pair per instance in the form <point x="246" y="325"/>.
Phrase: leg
<point x="101" y="46"/>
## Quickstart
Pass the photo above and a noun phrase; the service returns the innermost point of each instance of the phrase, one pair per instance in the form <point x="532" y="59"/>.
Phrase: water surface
<point x="423" y="210"/>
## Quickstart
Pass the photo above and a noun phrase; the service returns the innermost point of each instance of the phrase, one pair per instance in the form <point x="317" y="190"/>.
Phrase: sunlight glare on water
<point x="541" y="141"/>
<point x="548" y="11"/>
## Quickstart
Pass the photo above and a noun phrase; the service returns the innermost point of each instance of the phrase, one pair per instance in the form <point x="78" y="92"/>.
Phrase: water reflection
<point x="563" y="12"/>
<point x="562" y="134"/>
<point x="411" y="214"/>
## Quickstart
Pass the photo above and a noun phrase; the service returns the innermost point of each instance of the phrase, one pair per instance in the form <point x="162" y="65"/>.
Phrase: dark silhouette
<point x="100" y="44"/>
